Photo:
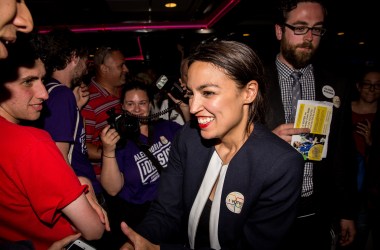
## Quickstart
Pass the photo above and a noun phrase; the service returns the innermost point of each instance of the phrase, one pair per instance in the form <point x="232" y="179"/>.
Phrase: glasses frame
<point x="370" y="86"/>
<point x="296" y="31"/>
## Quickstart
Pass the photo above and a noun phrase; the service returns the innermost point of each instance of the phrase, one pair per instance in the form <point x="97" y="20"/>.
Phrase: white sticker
<point x="328" y="91"/>
<point x="235" y="202"/>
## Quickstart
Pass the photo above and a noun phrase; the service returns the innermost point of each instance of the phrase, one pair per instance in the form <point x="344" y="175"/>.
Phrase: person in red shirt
<point x="104" y="89"/>
<point x="42" y="199"/>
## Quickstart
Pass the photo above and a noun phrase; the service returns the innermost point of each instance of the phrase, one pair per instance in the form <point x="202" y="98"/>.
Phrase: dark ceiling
<point x="123" y="22"/>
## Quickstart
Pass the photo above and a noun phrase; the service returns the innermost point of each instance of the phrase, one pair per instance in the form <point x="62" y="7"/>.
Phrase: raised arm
<point x="111" y="178"/>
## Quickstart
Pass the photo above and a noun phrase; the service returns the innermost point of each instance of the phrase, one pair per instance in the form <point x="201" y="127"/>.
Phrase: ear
<point x="103" y="68"/>
<point x="278" y="31"/>
<point x="358" y="86"/>
<point x="251" y="90"/>
<point x="75" y="60"/>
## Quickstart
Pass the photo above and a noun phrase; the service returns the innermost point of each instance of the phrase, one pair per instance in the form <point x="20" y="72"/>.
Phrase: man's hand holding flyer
<point x="316" y="116"/>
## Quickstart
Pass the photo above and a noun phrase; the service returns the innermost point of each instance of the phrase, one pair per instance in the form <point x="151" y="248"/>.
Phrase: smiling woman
<point x="220" y="159"/>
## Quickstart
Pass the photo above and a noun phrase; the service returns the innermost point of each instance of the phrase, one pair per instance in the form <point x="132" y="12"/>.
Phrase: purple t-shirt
<point x="59" y="118"/>
<point x="141" y="178"/>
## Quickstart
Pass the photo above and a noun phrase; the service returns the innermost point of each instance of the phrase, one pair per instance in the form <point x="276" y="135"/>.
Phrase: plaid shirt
<point x="308" y="93"/>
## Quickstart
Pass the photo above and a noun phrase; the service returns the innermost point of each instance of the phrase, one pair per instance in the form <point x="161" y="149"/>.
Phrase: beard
<point x="297" y="59"/>
<point x="79" y="75"/>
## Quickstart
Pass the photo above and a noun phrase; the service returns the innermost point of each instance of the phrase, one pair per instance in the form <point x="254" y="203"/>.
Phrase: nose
<point x="125" y="68"/>
<point x="194" y="104"/>
<point x="23" y="20"/>
<point x="41" y="92"/>
<point x="308" y="36"/>
<point x="136" y="108"/>
<point x="372" y="87"/>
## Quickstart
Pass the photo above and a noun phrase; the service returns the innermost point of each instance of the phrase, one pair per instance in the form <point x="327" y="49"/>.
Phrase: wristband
<point x="109" y="156"/>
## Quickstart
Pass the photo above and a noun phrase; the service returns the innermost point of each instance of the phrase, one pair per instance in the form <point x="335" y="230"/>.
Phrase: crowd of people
<point x="104" y="160"/>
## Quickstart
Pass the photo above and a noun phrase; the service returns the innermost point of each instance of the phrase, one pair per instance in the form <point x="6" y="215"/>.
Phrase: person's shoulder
<point x="57" y="90"/>
<point x="263" y="136"/>
<point x="37" y="134"/>
<point x="98" y="94"/>
<point x="93" y="88"/>
<point x="27" y="133"/>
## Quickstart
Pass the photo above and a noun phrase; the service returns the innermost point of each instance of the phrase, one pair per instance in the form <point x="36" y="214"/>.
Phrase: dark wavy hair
<point x="60" y="45"/>
<point x="23" y="53"/>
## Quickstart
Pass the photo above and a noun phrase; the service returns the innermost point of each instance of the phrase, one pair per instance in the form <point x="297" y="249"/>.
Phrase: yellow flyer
<point x="316" y="116"/>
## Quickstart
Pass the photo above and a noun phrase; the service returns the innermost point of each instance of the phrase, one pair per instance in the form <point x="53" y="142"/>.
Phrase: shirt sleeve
<point x="46" y="179"/>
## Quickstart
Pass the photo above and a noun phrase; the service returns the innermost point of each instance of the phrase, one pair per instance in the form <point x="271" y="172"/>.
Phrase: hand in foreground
<point x="285" y="131"/>
<point x="59" y="245"/>
<point x="347" y="232"/>
<point x="136" y="241"/>
<point x="109" y="137"/>
<point x="91" y="197"/>
<point x="82" y="95"/>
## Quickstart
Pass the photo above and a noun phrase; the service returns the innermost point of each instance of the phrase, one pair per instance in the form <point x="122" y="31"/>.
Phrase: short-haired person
<point x="328" y="191"/>
<point x="42" y="199"/>
<point x="230" y="182"/>
<point x="104" y="89"/>
<point x="14" y="16"/>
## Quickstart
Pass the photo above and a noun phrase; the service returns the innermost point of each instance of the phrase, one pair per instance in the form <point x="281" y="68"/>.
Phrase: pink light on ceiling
<point x="202" y="24"/>
<point x="220" y="12"/>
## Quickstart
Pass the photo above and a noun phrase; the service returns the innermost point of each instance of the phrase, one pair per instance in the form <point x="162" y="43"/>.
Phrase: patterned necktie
<point x="296" y="93"/>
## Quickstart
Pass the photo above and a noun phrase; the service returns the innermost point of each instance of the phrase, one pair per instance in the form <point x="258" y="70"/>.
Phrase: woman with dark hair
<point x="135" y="150"/>
<point x="230" y="182"/>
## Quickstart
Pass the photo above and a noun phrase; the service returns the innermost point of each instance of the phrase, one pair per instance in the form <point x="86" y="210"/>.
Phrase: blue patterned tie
<point x="296" y="93"/>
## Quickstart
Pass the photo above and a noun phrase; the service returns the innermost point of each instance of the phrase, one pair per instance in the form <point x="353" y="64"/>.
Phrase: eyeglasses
<point x="302" y="30"/>
<point x="365" y="85"/>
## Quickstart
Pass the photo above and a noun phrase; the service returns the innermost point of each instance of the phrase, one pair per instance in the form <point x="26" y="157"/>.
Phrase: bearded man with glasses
<point x="327" y="204"/>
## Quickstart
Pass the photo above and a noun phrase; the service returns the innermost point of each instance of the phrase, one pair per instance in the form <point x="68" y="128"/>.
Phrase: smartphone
<point x="79" y="244"/>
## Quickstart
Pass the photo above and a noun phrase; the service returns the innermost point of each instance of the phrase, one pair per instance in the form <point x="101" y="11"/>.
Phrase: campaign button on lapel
<point x="328" y="91"/>
<point x="235" y="202"/>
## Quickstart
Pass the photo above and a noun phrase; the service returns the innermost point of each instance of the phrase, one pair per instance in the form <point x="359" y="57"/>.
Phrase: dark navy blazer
<point x="267" y="171"/>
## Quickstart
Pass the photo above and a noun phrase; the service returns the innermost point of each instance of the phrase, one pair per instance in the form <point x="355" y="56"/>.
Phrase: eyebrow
<point x="207" y="85"/>
<point x="29" y="78"/>
<point x="137" y="101"/>
<point x="305" y="23"/>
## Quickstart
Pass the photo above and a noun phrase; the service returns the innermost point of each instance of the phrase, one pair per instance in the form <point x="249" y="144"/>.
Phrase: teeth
<point x="205" y="120"/>
<point x="6" y="42"/>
